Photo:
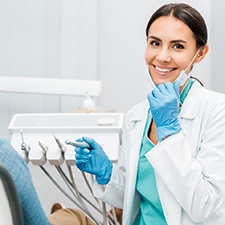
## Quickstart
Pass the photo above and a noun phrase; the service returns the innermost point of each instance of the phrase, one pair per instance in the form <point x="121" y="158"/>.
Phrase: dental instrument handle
<point x="60" y="144"/>
<point x="78" y="144"/>
<point x="25" y="147"/>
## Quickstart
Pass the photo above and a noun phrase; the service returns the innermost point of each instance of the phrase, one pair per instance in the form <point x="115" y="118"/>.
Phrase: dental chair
<point x="10" y="208"/>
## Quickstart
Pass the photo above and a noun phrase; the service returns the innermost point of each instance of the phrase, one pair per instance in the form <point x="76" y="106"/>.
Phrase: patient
<point x="32" y="210"/>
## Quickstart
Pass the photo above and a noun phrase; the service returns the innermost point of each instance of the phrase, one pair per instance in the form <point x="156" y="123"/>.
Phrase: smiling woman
<point x="171" y="168"/>
<point x="172" y="45"/>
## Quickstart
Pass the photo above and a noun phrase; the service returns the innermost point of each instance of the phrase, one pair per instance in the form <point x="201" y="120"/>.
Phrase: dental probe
<point x="24" y="146"/>
<point x="77" y="144"/>
<point x="60" y="144"/>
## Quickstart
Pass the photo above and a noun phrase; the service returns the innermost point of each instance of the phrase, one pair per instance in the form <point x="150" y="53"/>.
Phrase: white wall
<point x="218" y="47"/>
<point x="52" y="39"/>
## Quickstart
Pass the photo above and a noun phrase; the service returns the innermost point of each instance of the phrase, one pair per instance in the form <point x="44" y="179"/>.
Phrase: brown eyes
<point x="157" y="44"/>
<point x="154" y="43"/>
<point x="178" y="46"/>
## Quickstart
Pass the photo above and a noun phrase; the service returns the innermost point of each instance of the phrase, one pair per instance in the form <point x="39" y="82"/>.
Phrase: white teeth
<point x="164" y="70"/>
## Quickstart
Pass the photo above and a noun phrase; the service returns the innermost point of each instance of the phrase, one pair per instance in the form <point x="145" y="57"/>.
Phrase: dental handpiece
<point x="77" y="144"/>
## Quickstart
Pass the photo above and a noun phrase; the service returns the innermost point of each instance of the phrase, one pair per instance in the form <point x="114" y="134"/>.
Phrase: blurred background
<point x="93" y="40"/>
<point x="89" y="39"/>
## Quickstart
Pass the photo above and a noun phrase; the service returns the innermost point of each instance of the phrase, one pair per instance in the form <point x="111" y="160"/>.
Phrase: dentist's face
<point x="170" y="48"/>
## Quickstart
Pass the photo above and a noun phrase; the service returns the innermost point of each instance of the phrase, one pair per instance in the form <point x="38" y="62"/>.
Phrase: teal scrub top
<point x="150" y="212"/>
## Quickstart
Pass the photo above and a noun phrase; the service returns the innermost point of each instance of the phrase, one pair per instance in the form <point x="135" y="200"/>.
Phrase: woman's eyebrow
<point x="178" y="40"/>
<point x="154" y="37"/>
<point x="173" y="41"/>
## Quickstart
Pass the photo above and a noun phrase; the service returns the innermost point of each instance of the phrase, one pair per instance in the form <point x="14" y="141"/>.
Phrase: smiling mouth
<point x="164" y="70"/>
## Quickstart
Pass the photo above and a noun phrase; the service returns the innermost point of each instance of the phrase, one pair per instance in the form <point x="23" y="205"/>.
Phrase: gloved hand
<point x="164" y="105"/>
<point x="94" y="160"/>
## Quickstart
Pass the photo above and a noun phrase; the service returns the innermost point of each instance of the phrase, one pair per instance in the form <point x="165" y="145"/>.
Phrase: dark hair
<point x="187" y="14"/>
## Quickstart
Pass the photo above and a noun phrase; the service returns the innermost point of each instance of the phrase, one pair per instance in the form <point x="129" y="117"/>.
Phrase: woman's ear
<point x="202" y="53"/>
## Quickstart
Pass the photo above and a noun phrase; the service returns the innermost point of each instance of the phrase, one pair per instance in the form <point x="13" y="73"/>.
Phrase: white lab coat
<point x="189" y="166"/>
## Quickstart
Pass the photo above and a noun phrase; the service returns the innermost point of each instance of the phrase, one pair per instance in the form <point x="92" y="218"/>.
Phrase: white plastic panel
<point x="42" y="129"/>
<point x="51" y="86"/>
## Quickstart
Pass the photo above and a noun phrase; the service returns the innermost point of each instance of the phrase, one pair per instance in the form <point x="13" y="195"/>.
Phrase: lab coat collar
<point x="138" y="120"/>
<point x="189" y="108"/>
<point x="140" y="113"/>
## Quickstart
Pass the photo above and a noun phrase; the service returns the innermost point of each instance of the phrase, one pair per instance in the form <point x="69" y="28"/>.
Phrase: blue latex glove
<point x="94" y="161"/>
<point x="164" y="105"/>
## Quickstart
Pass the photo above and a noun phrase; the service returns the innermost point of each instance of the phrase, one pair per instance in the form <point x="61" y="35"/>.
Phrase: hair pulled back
<point x="187" y="14"/>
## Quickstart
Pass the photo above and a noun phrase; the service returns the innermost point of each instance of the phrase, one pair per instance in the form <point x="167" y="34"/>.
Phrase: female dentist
<point x="171" y="170"/>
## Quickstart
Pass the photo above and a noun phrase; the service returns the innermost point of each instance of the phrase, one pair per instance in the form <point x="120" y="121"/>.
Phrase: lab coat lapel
<point x="138" y="119"/>
<point x="190" y="106"/>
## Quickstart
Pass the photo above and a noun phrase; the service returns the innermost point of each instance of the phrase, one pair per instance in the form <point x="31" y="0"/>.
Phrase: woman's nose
<point x="163" y="55"/>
